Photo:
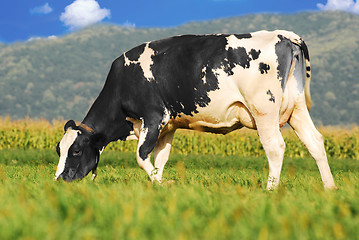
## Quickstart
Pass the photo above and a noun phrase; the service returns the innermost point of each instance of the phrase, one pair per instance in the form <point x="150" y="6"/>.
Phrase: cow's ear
<point x="70" y="124"/>
<point x="98" y="140"/>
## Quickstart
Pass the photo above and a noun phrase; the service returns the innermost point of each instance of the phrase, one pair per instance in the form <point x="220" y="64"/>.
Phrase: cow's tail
<point x="299" y="42"/>
<point x="305" y="53"/>
<point x="306" y="65"/>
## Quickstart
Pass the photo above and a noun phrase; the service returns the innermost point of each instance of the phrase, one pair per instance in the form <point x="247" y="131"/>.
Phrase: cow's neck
<point x="106" y="119"/>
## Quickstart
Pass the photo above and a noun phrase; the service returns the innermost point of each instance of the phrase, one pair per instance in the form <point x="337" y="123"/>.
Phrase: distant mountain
<point x="61" y="77"/>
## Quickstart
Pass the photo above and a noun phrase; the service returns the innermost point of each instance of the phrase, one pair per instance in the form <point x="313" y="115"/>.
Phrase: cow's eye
<point x="76" y="153"/>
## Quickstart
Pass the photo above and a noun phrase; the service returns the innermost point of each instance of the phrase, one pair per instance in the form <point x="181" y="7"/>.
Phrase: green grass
<point x="212" y="197"/>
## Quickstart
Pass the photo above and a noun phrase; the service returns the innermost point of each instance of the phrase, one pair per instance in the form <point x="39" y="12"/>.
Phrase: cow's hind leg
<point x="303" y="126"/>
<point x="274" y="146"/>
<point x="162" y="152"/>
<point x="147" y="140"/>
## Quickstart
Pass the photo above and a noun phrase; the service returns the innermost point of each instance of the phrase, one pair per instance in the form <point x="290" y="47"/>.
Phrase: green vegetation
<point x="214" y="188"/>
<point x="341" y="143"/>
<point x="59" y="78"/>
<point x="212" y="197"/>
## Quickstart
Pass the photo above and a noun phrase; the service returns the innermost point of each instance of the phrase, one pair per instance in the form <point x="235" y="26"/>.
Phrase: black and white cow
<point x="212" y="83"/>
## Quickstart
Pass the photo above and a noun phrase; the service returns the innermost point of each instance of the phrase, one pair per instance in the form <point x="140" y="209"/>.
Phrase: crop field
<point x="214" y="189"/>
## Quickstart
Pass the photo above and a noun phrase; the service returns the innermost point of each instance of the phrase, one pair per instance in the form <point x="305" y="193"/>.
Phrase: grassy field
<point x="218" y="190"/>
<point x="212" y="197"/>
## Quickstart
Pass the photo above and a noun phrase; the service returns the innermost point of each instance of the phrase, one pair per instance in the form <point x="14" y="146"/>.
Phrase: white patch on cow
<point x="259" y="40"/>
<point x="204" y="75"/>
<point x="128" y="62"/>
<point x="67" y="140"/>
<point x="232" y="42"/>
<point x="132" y="136"/>
<point x="145" y="61"/>
<point x="103" y="148"/>
<point x="165" y="119"/>
<point x="167" y="116"/>
<point x="182" y="106"/>
<point x="291" y="35"/>
<point x="142" y="137"/>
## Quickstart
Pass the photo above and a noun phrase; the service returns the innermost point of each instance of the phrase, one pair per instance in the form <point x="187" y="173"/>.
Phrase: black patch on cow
<point x="236" y="56"/>
<point x="284" y="52"/>
<point x="184" y="68"/>
<point x="255" y="54"/>
<point x="150" y="141"/>
<point x="263" y="68"/>
<point x="272" y="98"/>
<point x="308" y="72"/>
<point x="135" y="53"/>
<point x="244" y="35"/>
<point x="305" y="51"/>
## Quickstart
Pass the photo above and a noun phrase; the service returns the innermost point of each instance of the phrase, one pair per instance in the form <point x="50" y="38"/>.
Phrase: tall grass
<point x="340" y="142"/>
<point x="211" y="198"/>
<point x="221" y="197"/>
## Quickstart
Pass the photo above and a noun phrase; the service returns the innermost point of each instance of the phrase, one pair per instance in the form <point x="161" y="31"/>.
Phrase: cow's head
<point x="78" y="151"/>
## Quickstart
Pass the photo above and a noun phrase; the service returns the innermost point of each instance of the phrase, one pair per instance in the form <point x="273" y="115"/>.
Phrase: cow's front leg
<point x="146" y="143"/>
<point x="162" y="152"/>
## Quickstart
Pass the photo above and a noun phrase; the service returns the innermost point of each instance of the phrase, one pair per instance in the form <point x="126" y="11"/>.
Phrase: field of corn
<point x="341" y="143"/>
<point x="218" y="190"/>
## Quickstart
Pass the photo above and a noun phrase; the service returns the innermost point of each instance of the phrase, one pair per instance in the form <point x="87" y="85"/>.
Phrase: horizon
<point x="21" y="20"/>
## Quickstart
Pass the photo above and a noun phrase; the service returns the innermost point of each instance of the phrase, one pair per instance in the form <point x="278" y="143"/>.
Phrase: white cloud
<point x="344" y="5"/>
<point x="42" y="38"/>
<point x="43" y="9"/>
<point x="355" y="8"/>
<point x="52" y="37"/>
<point x="82" y="13"/>
<point x="129" y="24"/>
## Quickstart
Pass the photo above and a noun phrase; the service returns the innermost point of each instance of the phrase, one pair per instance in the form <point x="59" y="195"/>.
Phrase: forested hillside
<point x="60" y="78"/>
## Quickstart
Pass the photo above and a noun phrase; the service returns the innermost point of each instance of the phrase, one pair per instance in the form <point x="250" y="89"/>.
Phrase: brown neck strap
<point x="87" y="128"/>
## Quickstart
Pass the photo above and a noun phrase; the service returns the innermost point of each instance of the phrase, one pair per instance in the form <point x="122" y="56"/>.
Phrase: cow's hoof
<point x="332" y="188"/>
<point x="166" y="182"/>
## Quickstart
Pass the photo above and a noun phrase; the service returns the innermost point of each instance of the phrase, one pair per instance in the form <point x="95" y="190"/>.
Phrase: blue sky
<point x="21" y="20"/>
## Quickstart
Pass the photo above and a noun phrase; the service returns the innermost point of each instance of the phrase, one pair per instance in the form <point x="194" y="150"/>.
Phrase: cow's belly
<point x="226" y="112"/>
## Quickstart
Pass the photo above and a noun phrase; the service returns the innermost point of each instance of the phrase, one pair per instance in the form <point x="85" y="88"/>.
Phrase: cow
<point x="210" y="83"/>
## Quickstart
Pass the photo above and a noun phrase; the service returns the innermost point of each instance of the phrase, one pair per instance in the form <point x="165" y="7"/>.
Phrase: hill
<point x="61" y="77"/>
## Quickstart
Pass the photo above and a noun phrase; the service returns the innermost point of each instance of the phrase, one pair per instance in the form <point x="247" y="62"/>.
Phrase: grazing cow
<point x="211" y="83"/>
